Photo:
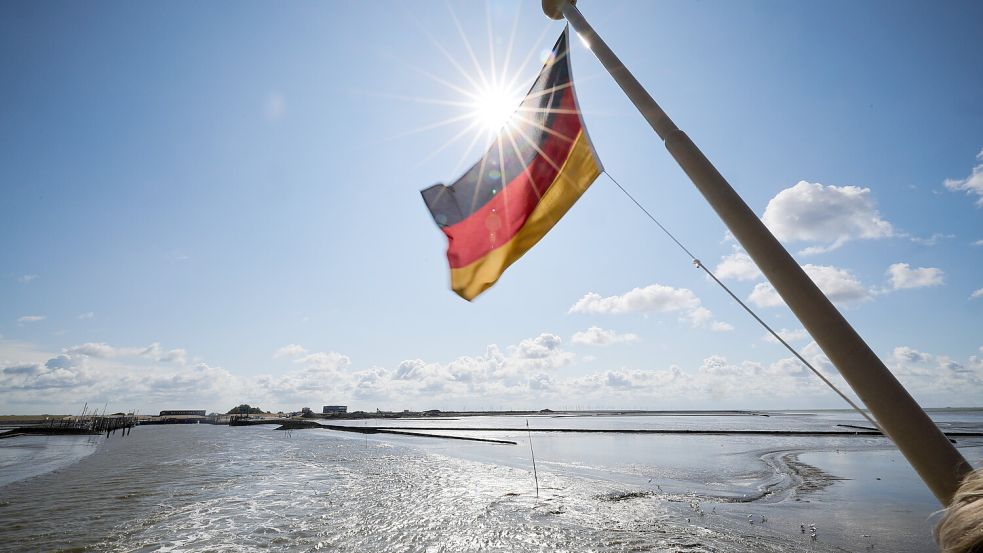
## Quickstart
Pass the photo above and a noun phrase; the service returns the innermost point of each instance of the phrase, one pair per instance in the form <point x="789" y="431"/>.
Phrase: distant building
<point x="305" y="411"/>
<point x="334" y="409"/>
<point x="180" y="413"/>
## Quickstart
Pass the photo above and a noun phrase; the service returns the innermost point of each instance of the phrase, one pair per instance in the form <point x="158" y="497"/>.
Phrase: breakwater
<point x="837" y="433"/>
<point x="299" y="425"/>
<point x="427" y="431"/>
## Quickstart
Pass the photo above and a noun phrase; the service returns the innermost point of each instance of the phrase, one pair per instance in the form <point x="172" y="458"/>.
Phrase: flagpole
<point x="931" y="454"/>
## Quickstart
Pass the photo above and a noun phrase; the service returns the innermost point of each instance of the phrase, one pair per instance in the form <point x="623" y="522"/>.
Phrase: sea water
<point x="218" y="488"/>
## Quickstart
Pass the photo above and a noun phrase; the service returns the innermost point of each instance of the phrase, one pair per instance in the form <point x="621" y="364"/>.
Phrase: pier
<point x="82" y="425"/>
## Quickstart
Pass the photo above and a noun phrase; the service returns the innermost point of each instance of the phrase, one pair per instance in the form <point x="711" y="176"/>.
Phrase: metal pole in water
<point x="535" y="474"/>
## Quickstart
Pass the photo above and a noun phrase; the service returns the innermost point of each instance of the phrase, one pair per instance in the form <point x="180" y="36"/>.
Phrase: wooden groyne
<point x="45" y="431"/>
<point x="74" y="426"/>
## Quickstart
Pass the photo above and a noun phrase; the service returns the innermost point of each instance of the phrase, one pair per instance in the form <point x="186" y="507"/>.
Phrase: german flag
<point x="538" y="166"/>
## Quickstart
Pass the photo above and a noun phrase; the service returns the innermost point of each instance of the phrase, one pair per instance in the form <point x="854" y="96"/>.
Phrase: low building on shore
<point x="334" y="409"/>
<point x="178" y="416"/>
<point x="184" y="412"/>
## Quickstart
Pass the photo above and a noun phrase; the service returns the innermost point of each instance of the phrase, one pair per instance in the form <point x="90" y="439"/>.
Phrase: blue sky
<point x="207" y="204"/>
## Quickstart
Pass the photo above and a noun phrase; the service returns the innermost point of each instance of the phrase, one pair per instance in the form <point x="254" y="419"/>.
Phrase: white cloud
<point x="764" y="295"/>
<point x="42" y="381"/>
<point x="539" y="347"/>
<point x="977" y="294"/>
<point x="529" y="374"/>
<point x="789" y="335"/>
<point x="715" y="380"/>
<point x="318" y="376"/>
<point x="829" y="215"/>
<point x="699" y="316"/>
<point x="903" y="276"/>
<point x="931" y="240"/>
<point x="906" y="354"/>
<point x="289" y="350"/>
<point x="519" y="376"/>
<point x="178" y="355"/>
<point x="655" y="298"/>
<point x="978" y="243"/>
<point x="325" y="361"/>
<point x="719" y="326"/>
<point x="521" y="372"/>
<point x="596" y="336"/>
<point x="30" y="319"/>
<point x="654" y="382"/>
<point x="102" y="350"/>
<point x="973" y="184"/>
<point x="937" y="376"/>
<point x="839" y="285"/>
<point x="27" y="279"/>
<point x="86" y="316"/>
<point x="737" y="266"/>
<point x="197" y="384"/>
<point x="59" y="372"/>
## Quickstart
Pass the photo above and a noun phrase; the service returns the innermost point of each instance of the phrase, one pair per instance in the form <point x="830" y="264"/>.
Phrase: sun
<point x="493" y="107"/>
<point x="488" y="106"/>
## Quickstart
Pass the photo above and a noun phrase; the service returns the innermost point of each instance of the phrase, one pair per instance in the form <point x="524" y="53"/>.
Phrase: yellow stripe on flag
<point x="578" y="172"/>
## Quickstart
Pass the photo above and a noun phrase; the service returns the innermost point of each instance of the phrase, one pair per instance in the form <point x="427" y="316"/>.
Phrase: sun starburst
<point x="493" y="107"/>
<point x="488" y="105"/>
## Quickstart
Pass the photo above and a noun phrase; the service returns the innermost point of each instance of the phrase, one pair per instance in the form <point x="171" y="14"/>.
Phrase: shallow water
<point x="216" y="488"/>
<point x="30" y="456"/>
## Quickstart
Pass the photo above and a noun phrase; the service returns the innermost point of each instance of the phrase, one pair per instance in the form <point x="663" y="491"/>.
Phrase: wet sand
<point x="204" y="487"/>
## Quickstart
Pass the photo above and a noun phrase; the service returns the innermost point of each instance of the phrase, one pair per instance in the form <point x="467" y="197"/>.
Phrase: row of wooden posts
<point x="96" y="424"/>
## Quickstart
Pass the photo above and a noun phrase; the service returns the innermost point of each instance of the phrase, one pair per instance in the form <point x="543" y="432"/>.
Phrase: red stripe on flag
<point x="496" y="222"/>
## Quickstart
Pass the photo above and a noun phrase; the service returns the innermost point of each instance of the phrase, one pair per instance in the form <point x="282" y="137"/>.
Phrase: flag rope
<point x="699" y="265"/>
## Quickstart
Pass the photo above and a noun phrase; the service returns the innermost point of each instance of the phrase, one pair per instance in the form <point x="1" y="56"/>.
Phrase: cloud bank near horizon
<point x="534" y="373"/>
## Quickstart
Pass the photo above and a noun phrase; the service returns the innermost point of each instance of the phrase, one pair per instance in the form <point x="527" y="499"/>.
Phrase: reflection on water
<point x="200" y="487"/>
